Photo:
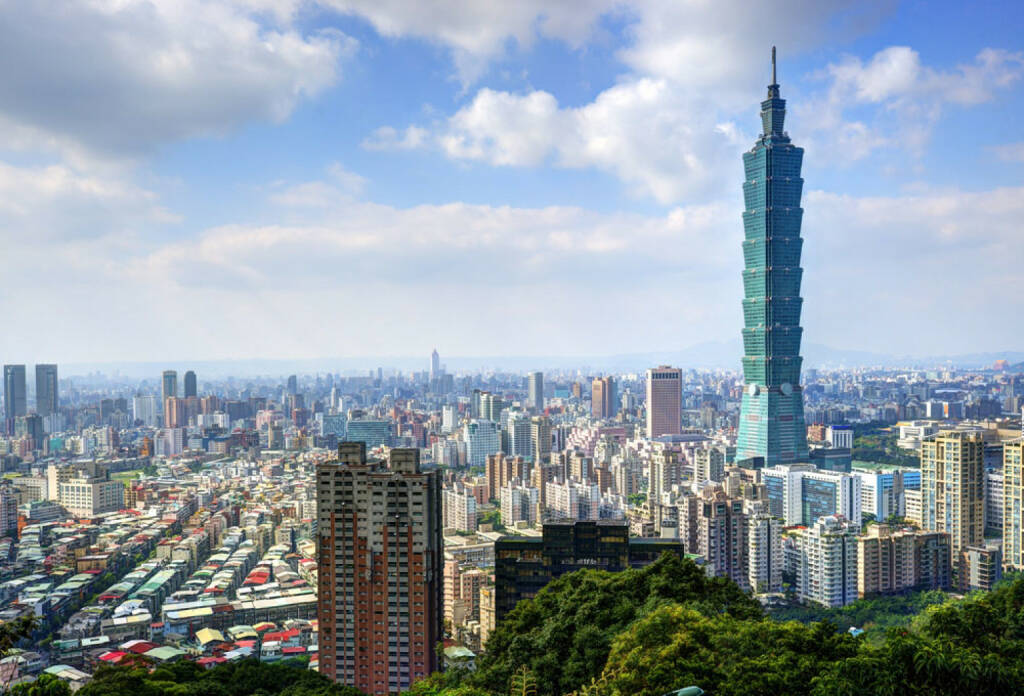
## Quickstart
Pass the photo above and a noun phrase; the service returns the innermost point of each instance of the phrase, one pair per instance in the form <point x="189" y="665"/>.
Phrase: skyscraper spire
<point x="773" y="88"/>
<point x="774" y="80"/>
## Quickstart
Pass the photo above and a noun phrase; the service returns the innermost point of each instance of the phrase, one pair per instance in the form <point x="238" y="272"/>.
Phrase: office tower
<point x="771" y="426"/>
<point x="664" y="401"/>
<point x="380" y="570"/>
<point x="524" y="565"/>
<point x="482" y="439"/>
<point x="1013" y="504"/>
<point x="15" y="402"/>
<point x="293" y="385"/>
<point x="448" y="418"/>
<point x="47" y="396"/>
<point x="603" y="402"/>
<point x="722" y="535"/>
<point x="491" y="406"/>
<point x="535" y="391"/>
<point x="764" y="551"/>
<point x="894" y="561"/>
<point x="435" y="365"/>
<point x="823" y="559"/>
<point x="882" y="494"/>
<point x="170" y="385"/>
<point x="190" y="384"/>
<point x="373" y="433"/>
<point x="540" y="435"/>
<point x="799" y="494"/>
<point x="953" y="487"/>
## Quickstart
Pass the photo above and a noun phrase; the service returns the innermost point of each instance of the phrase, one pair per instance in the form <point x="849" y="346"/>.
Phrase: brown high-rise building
<point x="953" y="488"/>
<point x="380" y="569"/>
<point x="602" y="397"/>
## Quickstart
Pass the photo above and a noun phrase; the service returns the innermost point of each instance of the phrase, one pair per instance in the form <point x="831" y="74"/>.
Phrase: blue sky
<point x="303" y="178"/>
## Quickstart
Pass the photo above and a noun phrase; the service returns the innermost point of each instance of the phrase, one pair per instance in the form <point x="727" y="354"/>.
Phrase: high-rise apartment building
<point x="15" y="398"/>
<point x="953" y="487"/>
<point x="1013" y="504"/>
<point x="722" y="535"/>
<point x="190" y="385"/>
<point x="893" y="561"/>
<point x="709" y="464"/>
<point x="771" y="426"/>
<point x="435" y="365"/>
<point x="823" y="561"/>
<point x="47" y="393"/>
<point x="459" y="509"/>
<point x="664" y="401"/>
<point x="764" y="551"/>
<point x="604" y="402"/>
<point x="519" y="503"/>
<point x="169" y="384"/>
<point x="145" y="410"/>
<point x="380" y="569"/>
<point x="535" y="391"/>
<point x="519" y="434"/>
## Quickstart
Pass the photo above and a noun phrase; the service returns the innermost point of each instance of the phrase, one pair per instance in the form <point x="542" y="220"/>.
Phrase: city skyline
<point x="544" y="149"/>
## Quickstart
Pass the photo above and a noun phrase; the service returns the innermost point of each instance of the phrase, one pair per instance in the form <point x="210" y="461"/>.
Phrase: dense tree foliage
<point x="676" y="647"/>
<point x="245" y="678"/>
<point x="564" y="635"/>
<point x="875" y="615"/>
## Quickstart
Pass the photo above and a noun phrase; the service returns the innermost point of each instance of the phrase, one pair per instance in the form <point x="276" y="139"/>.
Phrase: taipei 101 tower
<point x="771" y="428"/>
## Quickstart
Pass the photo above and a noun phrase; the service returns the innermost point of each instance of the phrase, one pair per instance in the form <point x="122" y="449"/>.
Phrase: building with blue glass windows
<point x="771" y="427"/>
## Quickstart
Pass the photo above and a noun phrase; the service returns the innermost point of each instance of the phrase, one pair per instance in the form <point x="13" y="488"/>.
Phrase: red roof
<point x="294" y="650"/>
<point x="142" y="646"/>
<point x="113" y="656"/>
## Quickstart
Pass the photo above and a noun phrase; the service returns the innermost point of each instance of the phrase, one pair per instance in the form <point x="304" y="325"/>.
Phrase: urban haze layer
<point x="382" y="526"/>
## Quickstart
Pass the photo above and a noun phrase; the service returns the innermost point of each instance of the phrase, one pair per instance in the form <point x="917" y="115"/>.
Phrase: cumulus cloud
<point x="909" y="95"/>
<point x="478" y="32"/>
<point x="110" y="78"/>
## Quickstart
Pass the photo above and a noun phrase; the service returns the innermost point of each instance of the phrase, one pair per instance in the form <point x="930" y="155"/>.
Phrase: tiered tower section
<point x="771" y="426"/>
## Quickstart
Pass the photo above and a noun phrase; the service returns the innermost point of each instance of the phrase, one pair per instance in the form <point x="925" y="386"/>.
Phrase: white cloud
<point x="56" y="204"/>
<point x="116" y="78"/>
<point x="909" y="98"/>
<point x="648" y="134"/>
<point x="479" y="31"/>
<point x="342" y="185"/>
<point x="387" y="138"/>
<point x="1010" y="152"/>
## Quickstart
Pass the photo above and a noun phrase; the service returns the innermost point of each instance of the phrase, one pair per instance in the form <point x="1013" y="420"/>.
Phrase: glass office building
<point x="771" y="428"/>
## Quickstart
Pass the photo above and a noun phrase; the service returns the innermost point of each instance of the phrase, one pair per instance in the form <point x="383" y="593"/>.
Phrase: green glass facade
<point x="771" y="427"/>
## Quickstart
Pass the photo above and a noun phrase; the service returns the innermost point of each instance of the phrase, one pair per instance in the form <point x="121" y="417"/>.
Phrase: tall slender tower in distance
<point x="47" y="397"/>
<point x="169" y="383"/>
<point x="190" y="384"/>
<point x="771" y="428"/>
